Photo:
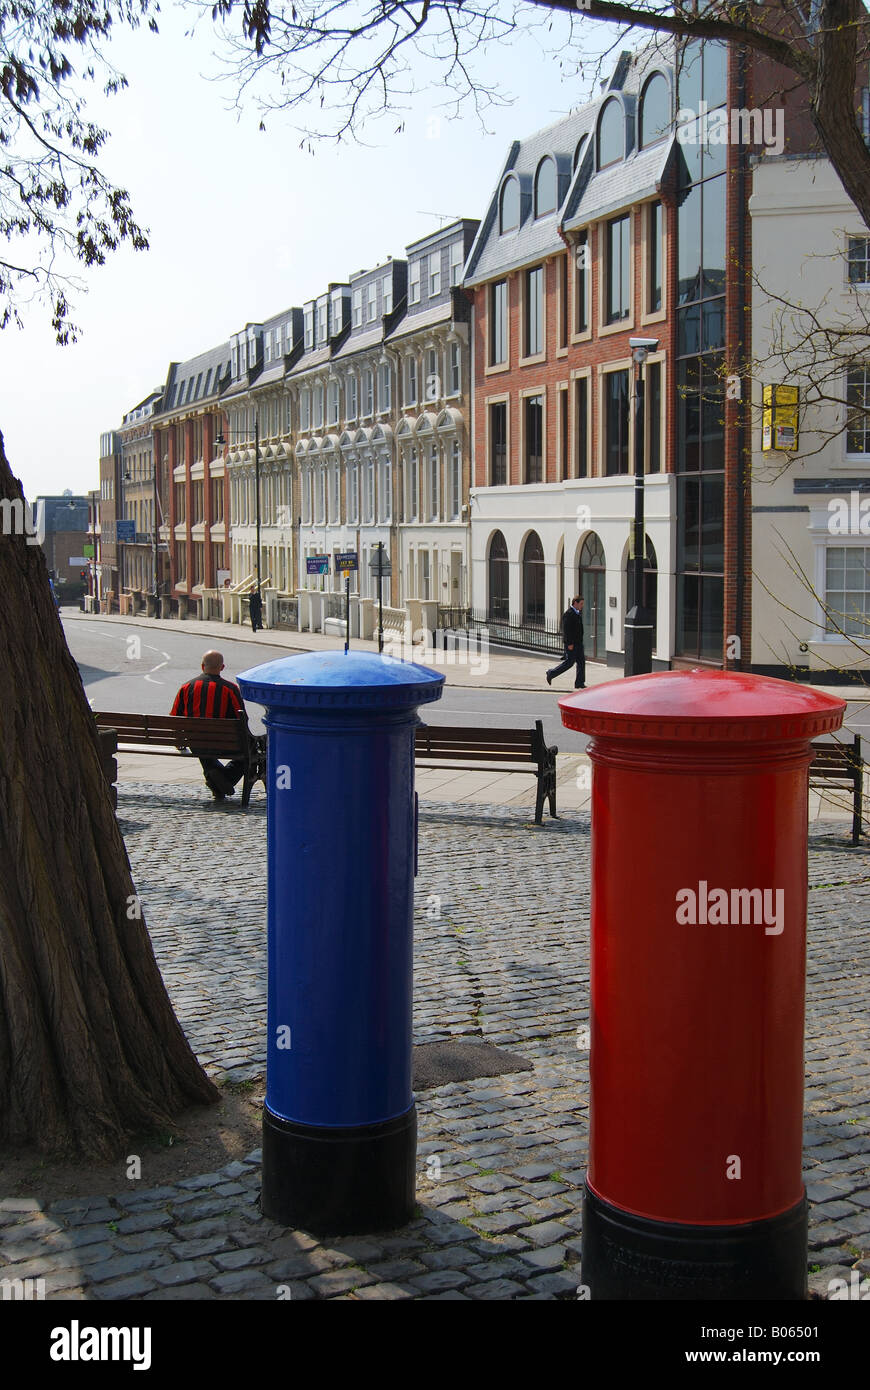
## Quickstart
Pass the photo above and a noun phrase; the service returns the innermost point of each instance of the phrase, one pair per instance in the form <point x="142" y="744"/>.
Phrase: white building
<point x="811" y="506"/>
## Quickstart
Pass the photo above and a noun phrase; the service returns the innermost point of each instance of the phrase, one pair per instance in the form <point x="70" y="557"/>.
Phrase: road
<point x="140" y="669"/>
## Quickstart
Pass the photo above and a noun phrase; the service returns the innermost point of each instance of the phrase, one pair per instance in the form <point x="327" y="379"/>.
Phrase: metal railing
<point x="512" y="631"/>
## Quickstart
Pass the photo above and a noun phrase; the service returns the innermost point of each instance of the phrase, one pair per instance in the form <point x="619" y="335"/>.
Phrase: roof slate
<point x="587" y="194"/>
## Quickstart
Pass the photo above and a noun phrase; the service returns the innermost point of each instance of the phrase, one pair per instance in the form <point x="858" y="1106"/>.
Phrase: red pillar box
<point x="699" y="898"/>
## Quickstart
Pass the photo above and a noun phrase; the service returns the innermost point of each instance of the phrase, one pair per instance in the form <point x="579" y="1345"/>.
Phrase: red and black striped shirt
<point x="208" y="697"/>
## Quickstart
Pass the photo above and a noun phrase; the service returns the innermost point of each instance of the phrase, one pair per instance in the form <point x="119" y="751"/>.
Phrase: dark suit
<point x="572" y="635"/>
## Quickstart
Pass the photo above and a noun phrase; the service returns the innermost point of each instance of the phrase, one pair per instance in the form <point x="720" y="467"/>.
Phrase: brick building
<point x="139" y="502"/>
<point x="575" y="256"/>
<point x="193" y="488"/>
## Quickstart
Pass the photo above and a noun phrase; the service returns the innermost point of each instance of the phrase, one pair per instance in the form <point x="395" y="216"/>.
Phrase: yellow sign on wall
<point x="779" y="424"/>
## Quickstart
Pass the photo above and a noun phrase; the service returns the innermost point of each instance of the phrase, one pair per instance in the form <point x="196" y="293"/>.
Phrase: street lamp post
<point x="638" y="621"/>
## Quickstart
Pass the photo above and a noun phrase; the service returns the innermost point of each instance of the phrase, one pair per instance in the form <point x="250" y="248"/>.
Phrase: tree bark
<point x="91" y="1052"/>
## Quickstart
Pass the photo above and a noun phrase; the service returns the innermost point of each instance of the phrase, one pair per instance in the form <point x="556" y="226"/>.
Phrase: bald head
<point x="212" y="663"/>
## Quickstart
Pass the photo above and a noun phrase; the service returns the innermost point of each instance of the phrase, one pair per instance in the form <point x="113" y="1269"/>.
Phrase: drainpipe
<point x="742" y="157"/>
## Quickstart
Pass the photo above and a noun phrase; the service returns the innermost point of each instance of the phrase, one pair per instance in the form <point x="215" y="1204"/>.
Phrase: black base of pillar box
<point x="629" y="1257"/>
<point x="339" y="1181"/>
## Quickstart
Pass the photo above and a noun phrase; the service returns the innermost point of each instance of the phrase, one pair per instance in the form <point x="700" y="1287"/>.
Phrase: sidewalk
<point x="502" y="956"/>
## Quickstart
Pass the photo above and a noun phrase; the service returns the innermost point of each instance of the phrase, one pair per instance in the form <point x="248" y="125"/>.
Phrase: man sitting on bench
<point x="209" y="696"/>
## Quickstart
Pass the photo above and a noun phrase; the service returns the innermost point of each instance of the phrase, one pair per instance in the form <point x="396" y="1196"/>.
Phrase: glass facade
<point x="700" y="452"/>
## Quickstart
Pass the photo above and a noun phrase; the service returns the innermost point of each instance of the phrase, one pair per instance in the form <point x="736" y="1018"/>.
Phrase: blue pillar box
<point x="339" y="1124"/>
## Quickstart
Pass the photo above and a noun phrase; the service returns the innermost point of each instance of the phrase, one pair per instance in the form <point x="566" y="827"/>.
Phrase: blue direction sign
<point x="346" y="561"/>
<point x="317" y="564"/>
<point x="125" y="530"/>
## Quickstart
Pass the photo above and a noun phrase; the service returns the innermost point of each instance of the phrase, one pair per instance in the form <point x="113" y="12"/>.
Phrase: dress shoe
<point x="549" y="679"/>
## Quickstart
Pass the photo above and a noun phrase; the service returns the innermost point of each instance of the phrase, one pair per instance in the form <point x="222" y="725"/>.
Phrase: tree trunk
<point x="90" y="1049"/>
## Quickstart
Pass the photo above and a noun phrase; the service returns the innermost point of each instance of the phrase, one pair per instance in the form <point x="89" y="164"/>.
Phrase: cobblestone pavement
<point x="502" y="952"/>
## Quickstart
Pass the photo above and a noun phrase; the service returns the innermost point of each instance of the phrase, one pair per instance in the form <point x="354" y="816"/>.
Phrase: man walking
<point x="209" y="696"/>
<point x="256" y="611"/>
<point x="572" y="635"/>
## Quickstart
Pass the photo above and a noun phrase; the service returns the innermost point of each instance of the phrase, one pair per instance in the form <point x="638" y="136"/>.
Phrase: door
<point x="592" y="590"/>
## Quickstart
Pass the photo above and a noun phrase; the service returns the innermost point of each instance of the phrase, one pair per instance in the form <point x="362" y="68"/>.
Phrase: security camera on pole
<point x="638" y="621"/>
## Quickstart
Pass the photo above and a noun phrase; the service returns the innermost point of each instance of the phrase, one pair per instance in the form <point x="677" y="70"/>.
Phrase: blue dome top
<point x="332" y="679"/>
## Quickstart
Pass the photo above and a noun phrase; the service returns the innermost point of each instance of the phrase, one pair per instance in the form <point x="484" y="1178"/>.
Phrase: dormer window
<point x="414" y="283"/>
<point x="545" y="187"/>
<point x="655" y="111"/>
<point x="509" y="206"/>
<point x="611" y="134"/>
<point x="457" y="260"/>
<point x="309" y="329"/>
<point x="322" y="323"/>
<point x="578" y="152"/>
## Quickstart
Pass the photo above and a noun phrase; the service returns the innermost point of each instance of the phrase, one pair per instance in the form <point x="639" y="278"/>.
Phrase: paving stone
<point x="76" y="1239"/>
<point x="154" y="1196"/>
<point x="399" y="1268"/>
<point x="242" y="1281"/>
<point x="94" y="1216"/>
<point x="143" y="1240"/>
<point x="200" y="1209"/>
<point x="188" y="1293"/>
<point x="338" y="1281"/>
<point x="120" y="1265"/>
<point x="545" y="1233"/>
<point x="498" y="1268"/>
<point x="492" y="1183"/>
<point x="559" y="1282"/>
<point x="449" y="1257"/>
<point x="530" y="1171"/>
<point x="136" y="1286"/>
<point x="183" y="1272"/>
<point x="65" y="1259"/>
<point x="548" y="1257"/>
<point x="199" y="1230"/>
<point x="499" y="1222"/>
<point x="439" y="1280"/>
<point x="496" y="1289"/>
<point x="357" y="1248"/>
<point x="204" y="1180"/>
<point x="383" y="1292"/>
<point x="831" y="1211"/>
<point x="18" y="1204"/>
<point x="239" y="1259"/>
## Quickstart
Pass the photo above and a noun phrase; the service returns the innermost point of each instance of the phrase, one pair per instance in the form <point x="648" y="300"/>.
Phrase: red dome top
<point x="706" y="706"/>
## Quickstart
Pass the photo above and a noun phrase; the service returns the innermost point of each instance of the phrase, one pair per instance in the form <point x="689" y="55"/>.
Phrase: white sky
<point x="244" y="224"/>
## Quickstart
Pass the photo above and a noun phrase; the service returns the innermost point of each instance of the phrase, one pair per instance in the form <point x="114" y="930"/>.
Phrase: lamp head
<point x="641" y="348"/>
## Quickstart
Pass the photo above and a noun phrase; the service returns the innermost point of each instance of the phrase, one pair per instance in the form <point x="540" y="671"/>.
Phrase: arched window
<point x="611" y="134"/>
<point x="509" y="210"/>
<point x="498" y="579"/>
<point x="533" y="581"/>
<point x="581" y="145"/>
<point x="545" y="187"/>
<point x="655" y="110"/>
<point x="592" y="588"/>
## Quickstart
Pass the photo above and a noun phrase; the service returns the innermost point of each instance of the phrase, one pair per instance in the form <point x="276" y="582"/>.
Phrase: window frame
<point x="532" y="353"/>
<point x="864" y="260"/>
<point x="508" y="181"/>
<point x="527" y="398"/>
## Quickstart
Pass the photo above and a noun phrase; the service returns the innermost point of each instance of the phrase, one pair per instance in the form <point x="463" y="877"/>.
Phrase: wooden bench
<point x="840" y="765"/>
<point x="171" y="736"/>
<point x="484" y="748"/>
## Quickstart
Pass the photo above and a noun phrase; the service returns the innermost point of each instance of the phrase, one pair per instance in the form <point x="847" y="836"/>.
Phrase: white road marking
<point x="158" y="667"/>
